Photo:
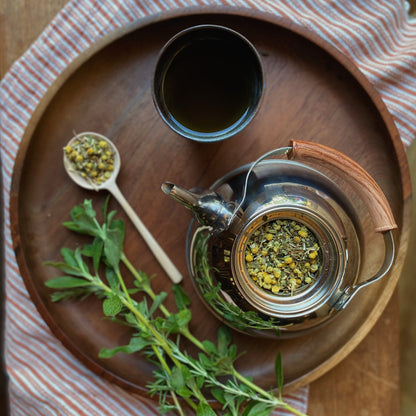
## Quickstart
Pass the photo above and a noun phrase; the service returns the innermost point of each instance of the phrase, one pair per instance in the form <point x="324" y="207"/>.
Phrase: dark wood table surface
<point x="367" y="381"/>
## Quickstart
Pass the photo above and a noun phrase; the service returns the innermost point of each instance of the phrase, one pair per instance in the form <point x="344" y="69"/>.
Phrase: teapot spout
<point x="187" y="198"/>
<point x="209" y="208"/>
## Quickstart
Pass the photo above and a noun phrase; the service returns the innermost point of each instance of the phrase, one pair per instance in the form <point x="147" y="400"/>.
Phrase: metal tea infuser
<point x="237" y="205"/>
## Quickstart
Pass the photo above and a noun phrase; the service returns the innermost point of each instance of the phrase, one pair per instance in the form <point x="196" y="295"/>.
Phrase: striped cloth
<point x="45" y="379"/>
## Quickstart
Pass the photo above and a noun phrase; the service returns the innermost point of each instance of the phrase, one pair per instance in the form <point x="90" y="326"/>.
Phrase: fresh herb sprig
<point x="211" y="292"/>
<point x="158" y="331"/>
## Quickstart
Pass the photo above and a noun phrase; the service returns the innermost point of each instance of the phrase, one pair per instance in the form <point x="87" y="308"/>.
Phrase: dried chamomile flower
<point x="283" y="256"/>
<point x="91" y="157"/>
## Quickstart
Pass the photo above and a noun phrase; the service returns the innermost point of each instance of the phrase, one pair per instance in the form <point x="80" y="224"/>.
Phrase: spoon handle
<point x="154" y="246"/>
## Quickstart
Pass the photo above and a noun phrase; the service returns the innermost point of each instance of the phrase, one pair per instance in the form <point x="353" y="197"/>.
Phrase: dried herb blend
<point x="91" y="157"/>
<point x="283" y="256"/>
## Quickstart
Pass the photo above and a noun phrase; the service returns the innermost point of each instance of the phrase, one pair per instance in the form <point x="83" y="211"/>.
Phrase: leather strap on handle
<point x="364" y="184"/>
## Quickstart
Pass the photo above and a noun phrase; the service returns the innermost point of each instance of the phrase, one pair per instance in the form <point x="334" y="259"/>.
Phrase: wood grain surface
<point x="366" y="382"/>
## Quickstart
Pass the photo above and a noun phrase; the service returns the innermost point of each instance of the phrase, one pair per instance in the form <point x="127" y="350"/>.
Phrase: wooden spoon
<point x="111" y="186"/>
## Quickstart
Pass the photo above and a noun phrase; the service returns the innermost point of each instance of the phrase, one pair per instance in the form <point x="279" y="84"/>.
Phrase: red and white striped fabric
<point x="45" y="379"/>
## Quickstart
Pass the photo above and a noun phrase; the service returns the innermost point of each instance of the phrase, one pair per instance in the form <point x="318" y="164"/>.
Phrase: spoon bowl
<point x="88" y="183"/>
<point x="110" y="185"/>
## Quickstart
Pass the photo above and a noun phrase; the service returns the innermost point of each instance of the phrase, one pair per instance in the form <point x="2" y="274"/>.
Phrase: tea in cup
<point x="208" y="83"/>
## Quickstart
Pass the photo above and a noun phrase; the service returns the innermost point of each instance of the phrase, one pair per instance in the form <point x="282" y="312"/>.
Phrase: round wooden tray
<point x="313" y="92"/>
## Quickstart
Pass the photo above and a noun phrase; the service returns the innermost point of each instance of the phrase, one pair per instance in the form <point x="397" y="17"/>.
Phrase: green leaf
<point x="96" y="252"/>
<point x="109" y="218"/>
<point x="83" y="220"/>
<point x="181" y="298"/>
<point x="230" y="400"/>
<point x="112" y="306"/>
<point x="204" y="409"/>
<point x="80" y="261"/>
<point x="174" y="322"/>
<point x="186" y="372"/>
<point x="183" y="317"/>
<point x="224" y="366"/>
<point x="113" y="246"/>
<point x="176" y="378"/>
<point x="210" y="347"/>
<point x="104" y="209"/>
<point x="143" y="282"/>
<point x="184" y="392"/>
<point x="112" y="254"/>
<point x="259" y="409"/>
<point x="244" y="388"/>
<point x="136" y="344"/>
<point x="248" y="408"/>
<point x="142" y="307"/>
<point x="65" y="268"/>
<point x="74" y="293"/>
<point x="218" y="394"/>
<point x="69" y="257"/>
<point x="223" y="339"/>
<point x="232" y="351"/>
<point x="204" y="360"/>
<point x="117" y="224"/>
<point x="108" y="353"/>
<point x="87" y="250"/>
<point x="89" y="211"/>
<point x="157" y="301"/>
<point x="64" y="282"/>
<point x="200" y="381"/>
<point x="130" y="319"/>
<point x="112" y="278"/>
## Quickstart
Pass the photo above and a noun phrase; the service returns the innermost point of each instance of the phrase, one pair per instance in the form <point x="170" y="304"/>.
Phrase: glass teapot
<point x="275" y="248"/>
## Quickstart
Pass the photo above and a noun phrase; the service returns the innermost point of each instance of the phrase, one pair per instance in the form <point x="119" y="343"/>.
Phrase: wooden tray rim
<point x="346" y="62"/>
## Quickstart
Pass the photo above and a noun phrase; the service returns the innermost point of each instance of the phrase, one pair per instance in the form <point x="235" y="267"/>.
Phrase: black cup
<point x="208" y="83"/>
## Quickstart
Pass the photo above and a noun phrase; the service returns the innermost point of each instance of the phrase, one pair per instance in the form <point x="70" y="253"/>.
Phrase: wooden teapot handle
<point x="364" y="184"/>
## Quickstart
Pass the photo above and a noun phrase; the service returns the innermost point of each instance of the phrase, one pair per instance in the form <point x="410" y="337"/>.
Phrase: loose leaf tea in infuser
<point x="282" y="256"/>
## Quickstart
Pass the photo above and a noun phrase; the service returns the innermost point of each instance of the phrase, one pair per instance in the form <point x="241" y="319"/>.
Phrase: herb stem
<point x="292" y="409"/>
<point x="168" y="372"/>
<point x="186" y="333"/>
<point x="279" y="402"/>
<point x="129" y="304"/>
<point x="158" y="337"/>
<point x="123" y="285"/>
<point x="250" y="384"/>
<point x="146" y="288"/>
<point x="162" y="342"/>
<point x="183" y="331"/>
